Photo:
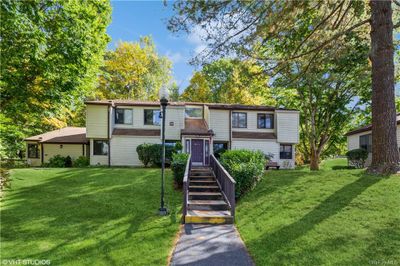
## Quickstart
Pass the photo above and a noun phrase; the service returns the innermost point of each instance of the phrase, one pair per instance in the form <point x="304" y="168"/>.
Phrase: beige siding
<point x="97" y="159"/>
<point x="96" y="121"/>
<point x="176" y="116"/>
<point x="33" y="161"/>
<point x="353" y="141"/>
<point x="207" y="115"/>
<point x="51" y="150"/>
<point x="138" y="118"/>
<point x="123" y="149"/>
<point x="287" y="126"/>
<point x="252" y="122"/>
<point x="219" y="123"/>
<point x="266" y="147"/>
<point x="398" y="135"/>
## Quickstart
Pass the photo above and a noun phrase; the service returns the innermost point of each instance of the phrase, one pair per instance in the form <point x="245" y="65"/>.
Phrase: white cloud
<point x="197" y="38"/>
<point x="175" y="57"/>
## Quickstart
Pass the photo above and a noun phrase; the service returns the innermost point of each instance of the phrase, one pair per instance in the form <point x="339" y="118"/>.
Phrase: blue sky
<point x="133" y="19"/>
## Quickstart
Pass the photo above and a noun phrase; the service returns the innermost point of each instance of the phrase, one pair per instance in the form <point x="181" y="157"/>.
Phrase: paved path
<point x="209" y="245"/>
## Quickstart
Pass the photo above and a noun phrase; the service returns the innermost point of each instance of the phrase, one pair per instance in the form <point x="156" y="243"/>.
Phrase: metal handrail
<point x="225" y="181"/>
<point x="186" y="186"/>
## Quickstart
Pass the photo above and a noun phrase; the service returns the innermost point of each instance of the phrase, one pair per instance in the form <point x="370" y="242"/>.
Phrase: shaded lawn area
<point x="94" y="216"/>
<point x="342" y="217"/>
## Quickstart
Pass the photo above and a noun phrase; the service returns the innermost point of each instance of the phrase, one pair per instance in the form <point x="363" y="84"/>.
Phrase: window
<point x="219" y="148"/>
<point x="33" y="151"/>
<point x="100" y="147"/>
<point x="152" y="117"/>
<point x="366" y="142"/>
<point x="123" y="116"/>
<point x="265" y="120"/>
<point x="286" y="152"/>
<point x="193" y="112"/>
<point x="171" y="143"/>
<point x="187" y="146"/>
<point x="239" y="120"/>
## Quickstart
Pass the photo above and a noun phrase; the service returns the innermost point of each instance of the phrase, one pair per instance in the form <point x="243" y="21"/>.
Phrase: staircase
<point x="206" y="202"/>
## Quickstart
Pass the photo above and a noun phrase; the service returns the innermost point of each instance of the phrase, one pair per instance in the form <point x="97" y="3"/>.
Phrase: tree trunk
<point x="385" y="155"/>
<point x="314" y="160"/>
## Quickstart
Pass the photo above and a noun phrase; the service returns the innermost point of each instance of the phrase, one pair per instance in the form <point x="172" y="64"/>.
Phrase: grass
<point x="94" y="216"/>
<point x="335" y="217"/>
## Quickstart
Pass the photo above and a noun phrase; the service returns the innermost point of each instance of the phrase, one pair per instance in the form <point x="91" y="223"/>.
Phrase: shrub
<point x="143" y="151"/>
<point x="245" y="166"/>
<point x="68" y="161"/>
<point x="57" y="161"/>
<point x="81" y="161"/>
<point x="151" y="153"/>
<point x="357" y="157"/>
<point x="178" y="166"/>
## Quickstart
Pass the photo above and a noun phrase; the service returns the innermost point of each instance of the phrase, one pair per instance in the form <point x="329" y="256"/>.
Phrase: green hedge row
<point x="150" y="154"/>
<point x="245" y="166"/>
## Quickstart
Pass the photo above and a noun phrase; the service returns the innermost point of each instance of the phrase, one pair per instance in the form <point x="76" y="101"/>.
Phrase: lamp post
<point x="163" y="103"/>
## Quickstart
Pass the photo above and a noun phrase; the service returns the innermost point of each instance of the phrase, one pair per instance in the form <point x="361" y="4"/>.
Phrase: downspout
<point x="108" y="136"/>
<point x="41" y="153"/>
<point x="230" y="129"/>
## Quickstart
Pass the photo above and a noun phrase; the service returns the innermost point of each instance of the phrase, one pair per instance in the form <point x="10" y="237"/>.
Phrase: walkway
<point x="209" y="245"/>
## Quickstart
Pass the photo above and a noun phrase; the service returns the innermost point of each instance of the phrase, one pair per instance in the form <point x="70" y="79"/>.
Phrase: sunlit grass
<point x="341" y="217"/>
<point x="94" y="216"/>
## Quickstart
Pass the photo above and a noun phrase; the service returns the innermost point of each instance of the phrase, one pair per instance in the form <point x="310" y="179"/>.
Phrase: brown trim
<point x="252" y="135"/>
<point x="83" y="149"/>
<point x="222" y="106"/>
<point x="136" y="132"/>
<point x="73" y="143"/>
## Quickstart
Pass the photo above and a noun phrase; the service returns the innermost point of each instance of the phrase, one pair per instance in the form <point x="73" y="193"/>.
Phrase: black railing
<point x="186" y="186"/>
<point x="225" y="181"/>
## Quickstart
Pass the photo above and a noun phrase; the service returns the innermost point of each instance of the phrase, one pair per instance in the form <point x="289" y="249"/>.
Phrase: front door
<point x="197" y="151"/>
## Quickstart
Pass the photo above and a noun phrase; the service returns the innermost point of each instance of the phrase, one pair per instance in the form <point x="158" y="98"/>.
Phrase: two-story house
<point x="115" y="128"/>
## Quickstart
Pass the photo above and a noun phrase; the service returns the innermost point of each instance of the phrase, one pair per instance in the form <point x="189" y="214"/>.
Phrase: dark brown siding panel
<point x="253" y="135"/>
<point x="136" y="132"/>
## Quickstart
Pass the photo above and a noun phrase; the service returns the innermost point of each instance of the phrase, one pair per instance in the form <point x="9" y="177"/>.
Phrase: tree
<point x="174" y="94"/>
<point x="229" y="81"/>
<point x="326" y="98"/>
<point x="50" y="54"/>
<point x="133" y="70"/>
<point x="385" y="154"/>
<point x="278" y="33"/>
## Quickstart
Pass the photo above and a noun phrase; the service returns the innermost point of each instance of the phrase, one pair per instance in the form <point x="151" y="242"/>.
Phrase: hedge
<point x="150" y="154"/>
<point x="178" y="166"/>
<point x="245" y="166"/>
<point x="357" y="157"/>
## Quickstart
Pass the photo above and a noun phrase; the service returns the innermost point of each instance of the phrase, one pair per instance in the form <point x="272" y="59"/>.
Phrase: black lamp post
<point x="163" y="102"/>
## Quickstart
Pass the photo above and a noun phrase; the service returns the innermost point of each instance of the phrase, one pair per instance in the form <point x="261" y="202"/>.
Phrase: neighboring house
<point x="69" y="141"/>
<point x="116" y="128"/>
<point x="362" y="138"/>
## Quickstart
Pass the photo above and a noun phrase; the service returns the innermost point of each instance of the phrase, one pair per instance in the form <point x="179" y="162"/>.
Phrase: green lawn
<point x="94" y="216"/>
<point x="340" y="217"/>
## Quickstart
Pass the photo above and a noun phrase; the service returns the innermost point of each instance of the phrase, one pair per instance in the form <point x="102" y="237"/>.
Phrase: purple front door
<point x="197" y="151"/>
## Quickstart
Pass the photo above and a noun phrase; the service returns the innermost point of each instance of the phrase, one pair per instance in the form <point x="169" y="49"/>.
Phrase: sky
<point x="133" y="19"/>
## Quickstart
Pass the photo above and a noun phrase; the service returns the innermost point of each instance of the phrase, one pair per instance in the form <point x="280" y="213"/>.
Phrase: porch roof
<point x="196" y="127"/>
<point x="71" y="135"/>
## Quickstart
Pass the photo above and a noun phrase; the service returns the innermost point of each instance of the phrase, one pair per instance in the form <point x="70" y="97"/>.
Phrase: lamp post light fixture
<point x="163" y="102"/>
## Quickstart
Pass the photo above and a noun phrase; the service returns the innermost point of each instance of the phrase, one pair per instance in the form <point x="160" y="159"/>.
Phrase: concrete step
<point x="201" y="178"/>
<point x="202" y="182"/>
<point x="205" y="196"/>
<point x="203" y="188"/>
<point x="208" y="217"/>
<point x="208" y="205"/>
<point x="201" y="174"/>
